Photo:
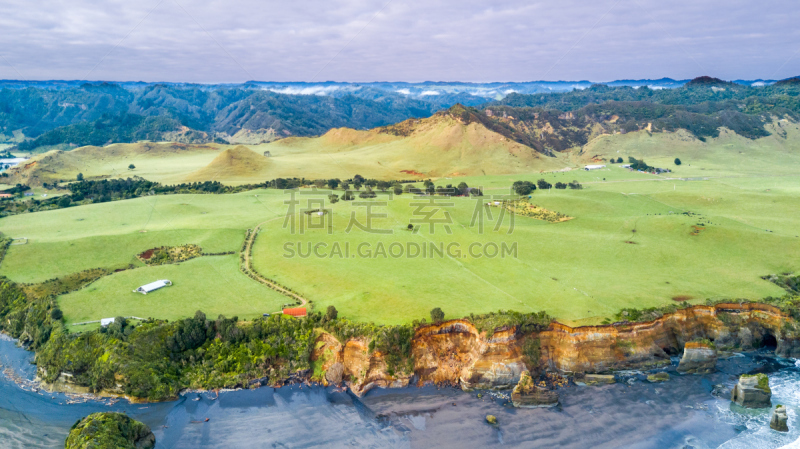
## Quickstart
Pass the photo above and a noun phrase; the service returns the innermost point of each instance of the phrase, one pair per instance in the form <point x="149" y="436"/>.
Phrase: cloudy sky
<point x="397" y="40"/>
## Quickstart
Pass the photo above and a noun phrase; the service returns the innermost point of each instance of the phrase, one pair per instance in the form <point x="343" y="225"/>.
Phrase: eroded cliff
<point x="456" y="353"/>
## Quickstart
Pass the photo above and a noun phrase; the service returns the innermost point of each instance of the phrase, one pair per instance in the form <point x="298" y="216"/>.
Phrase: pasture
<point x="636" y="240"/>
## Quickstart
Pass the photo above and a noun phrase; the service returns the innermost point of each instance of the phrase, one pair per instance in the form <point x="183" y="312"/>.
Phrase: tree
<point x="398" y="190"/>
<point x="575" y="185"/>
<point x="80" y="176"/>
<point x="333" y="183"/>
<point x="333" y="198"/>
<point x="437" y="316"/>
<point x="64" y="201"/>
<point x="612" y="161"/>
<point x="543" y="185"/>
<point x="523" y="188"/>
<point x="677" y="161"/>
<point x="561" y="185"/>
<point x="320" y="183"/>
<point x="331" y="314"/>
<point x="619" y="160"/>
<point x="347" y="195"/>
<point x="131" y="167"/>
<point x="463" y="188"/>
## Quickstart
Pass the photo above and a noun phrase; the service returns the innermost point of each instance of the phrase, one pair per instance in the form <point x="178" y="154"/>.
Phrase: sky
<point x="217" y="41"/>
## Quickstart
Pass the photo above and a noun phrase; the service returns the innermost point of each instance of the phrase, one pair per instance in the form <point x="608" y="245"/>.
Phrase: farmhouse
<point x="593" y="167"/>
<point x="295" y="311"/>
<point x="153" y="286"/>
<point x="6" y="195"/>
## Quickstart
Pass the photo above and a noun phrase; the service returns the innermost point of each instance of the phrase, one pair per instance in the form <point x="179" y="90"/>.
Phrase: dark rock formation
<point x="752" y="391"/>
<point x="698" y="358"/>
<point x="779" y="419"/>
<point x="529" y="395"/>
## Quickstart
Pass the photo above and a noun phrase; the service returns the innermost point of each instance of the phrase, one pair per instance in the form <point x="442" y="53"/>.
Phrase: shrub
<point x="437" y="316"/>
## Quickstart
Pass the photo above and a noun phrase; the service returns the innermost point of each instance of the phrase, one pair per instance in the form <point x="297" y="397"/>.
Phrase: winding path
<point x="247" y="266"/>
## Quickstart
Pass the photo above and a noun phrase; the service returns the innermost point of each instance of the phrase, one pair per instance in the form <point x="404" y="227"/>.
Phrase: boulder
<point x="779" y="419"/>
<point x="658" y="377"/>
<point x="699" y="357"/>
<point x="594" y="379"/>
<point x="529" y="395"/>
<point x="491" y="419"/>
<point x="334" y="373"/>
<point x="752" y="391"/>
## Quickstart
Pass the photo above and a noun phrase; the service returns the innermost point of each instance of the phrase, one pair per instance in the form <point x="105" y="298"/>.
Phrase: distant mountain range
<point x="40" y="115"/>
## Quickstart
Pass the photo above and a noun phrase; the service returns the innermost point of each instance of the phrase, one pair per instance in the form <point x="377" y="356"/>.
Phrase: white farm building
<point x="153" y="286"/>
<point x="593" y="167"/>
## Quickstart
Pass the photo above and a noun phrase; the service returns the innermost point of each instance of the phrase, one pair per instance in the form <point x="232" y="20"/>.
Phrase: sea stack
<point x="752" y="391"/>
<point x="779" y="419"/>
<point x="699" y="357"/>
<point x="528" y="395"/>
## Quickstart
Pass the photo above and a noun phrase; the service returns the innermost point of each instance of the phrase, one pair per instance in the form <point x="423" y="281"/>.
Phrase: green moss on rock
<point x="109" y="430"/>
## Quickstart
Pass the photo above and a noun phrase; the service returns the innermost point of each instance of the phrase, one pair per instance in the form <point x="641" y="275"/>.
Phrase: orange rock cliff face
<point x="455" y="353"/>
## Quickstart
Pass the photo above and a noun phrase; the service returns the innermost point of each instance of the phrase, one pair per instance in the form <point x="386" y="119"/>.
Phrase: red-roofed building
<point x="295" y="311"/>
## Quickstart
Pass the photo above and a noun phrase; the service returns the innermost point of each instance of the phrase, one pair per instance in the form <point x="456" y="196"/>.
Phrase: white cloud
<point x="404" y="91"/>
<point x="310" y="90"/>
<point x="428" y="93"/>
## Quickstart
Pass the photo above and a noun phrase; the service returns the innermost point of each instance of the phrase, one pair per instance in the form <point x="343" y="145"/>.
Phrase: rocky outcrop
<point x="699" y="357"/>
<point x="109" y="430"/>
<point x="456" y="353"/>
<point x="752" y="391"/>
<point x="658" y="377"/>
<point x="589" y="380"/>
<point x="649" y="344"/>
<point x="529" y="395"/>
<point x="779" y="419"/>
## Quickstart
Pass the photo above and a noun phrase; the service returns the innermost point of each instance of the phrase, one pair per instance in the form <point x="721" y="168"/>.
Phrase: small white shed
<point x="106" y="321"/>
<point x="153" y="286"/>
<point x="593" y="167"/>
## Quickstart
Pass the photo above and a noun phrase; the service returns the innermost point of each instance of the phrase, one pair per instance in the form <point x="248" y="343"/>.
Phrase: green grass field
<point x="631" y="243"/>
<point x="622" y="249"/>
<point x="213" y="284"/>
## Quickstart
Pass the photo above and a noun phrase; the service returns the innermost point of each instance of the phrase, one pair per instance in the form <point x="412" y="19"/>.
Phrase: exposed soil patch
<point x="147" y="254"/>
<point x="170" y="254"/>
<point x="681" y="298"/>
<point x="697" y="230"/>
<point x="631" y="242"/>
<point x="412" y="172"/>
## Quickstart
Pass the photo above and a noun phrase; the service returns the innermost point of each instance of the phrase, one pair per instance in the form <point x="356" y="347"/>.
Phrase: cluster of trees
<point x="639" y="164"/>
<point x="524" y="188"/>
<point x="356" y="183"/>
<point x="18" y="189"/>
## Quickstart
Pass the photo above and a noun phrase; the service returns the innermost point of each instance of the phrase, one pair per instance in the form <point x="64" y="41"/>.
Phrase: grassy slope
<point x="439" y="146"/>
